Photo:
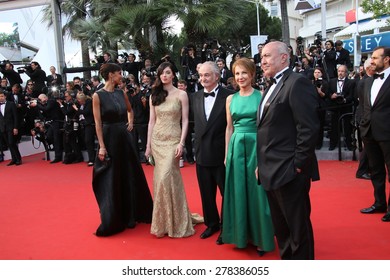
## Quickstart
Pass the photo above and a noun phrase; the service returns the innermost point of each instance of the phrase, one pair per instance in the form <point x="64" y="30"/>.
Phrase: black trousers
<point x="290" y="211"/>
<point x="378" y="153"/>
<point x="87" y="135"/>
<point x="209" y="178"/>
<point x="11" y="141"/>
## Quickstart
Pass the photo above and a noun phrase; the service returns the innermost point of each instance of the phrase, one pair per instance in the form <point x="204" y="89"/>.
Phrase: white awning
<point x="363" y="26"/>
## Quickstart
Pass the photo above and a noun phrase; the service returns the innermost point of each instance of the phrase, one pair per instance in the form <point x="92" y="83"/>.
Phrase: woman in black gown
<point x="119" y="182"/>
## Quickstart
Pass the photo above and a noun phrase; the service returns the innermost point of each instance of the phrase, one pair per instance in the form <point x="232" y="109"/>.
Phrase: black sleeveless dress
<point x="120" y="186"/>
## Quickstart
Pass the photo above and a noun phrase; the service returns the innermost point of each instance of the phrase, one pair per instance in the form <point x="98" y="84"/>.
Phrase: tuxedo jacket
<point x="9" y="120"/>
<point x="287" y="132"/>
<point x="348" y="90"/>
<point x="210" y="134"/>
<point x="375" y="117"/>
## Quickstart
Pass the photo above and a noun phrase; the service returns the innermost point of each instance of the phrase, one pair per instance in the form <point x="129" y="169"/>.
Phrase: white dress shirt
<point x="209" y="102"/>
<point x="377" y="84"/>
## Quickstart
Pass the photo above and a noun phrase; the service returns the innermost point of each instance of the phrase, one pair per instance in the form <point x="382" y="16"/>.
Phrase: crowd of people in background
<point x="198" y="117"/>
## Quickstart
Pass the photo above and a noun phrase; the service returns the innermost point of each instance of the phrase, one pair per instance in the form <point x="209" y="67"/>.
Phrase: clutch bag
<point x="151" y="160"/>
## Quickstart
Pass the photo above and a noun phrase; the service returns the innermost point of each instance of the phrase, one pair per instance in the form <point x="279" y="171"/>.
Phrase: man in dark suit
<point x="225" y="72"/>
<point x="342" y="95"/>
<point x="342" y="55"/>
<point x="288" y="127"/>
<point x="11" y="75"/>
<point x="375" y="128"/>
<point x="9" y="129"/>
<point x="209" y="107"/>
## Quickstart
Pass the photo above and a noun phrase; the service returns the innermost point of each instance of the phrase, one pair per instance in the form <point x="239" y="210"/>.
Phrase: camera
<point x="130" y="89"/>
<point x="3" y="63"/>
<point x="318" y="83"/>
<point x="23" y="69"/>
<point x="340" y="98"/>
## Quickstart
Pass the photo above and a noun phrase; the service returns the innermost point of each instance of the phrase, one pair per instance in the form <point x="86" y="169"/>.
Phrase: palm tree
<point x="75" y="10"/>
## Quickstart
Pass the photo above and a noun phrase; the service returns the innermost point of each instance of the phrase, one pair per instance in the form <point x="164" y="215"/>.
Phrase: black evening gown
<point x="120" y="186"/>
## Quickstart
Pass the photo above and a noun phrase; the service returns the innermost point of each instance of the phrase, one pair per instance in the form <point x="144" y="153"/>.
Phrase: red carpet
<point x="48" y="211"/>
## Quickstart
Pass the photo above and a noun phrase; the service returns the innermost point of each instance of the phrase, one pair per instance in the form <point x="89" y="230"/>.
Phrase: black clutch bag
<point x="151" y="160"/>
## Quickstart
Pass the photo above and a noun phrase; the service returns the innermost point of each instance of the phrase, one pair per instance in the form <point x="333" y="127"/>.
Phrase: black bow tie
<point x="207" y="94"/>
<point x="381" y="76"/>
<point x="1" y="103"/>
<point x="271" y="81"/>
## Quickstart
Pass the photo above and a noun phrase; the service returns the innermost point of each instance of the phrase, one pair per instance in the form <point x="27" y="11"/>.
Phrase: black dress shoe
<point x="11" y="163"/>
<point x="56" y="160"/>
<point x="373" y="209"/>
<point x="386" y="217"/>
<point x="18" y="163"/>
<point x="219" y="240"/>
<point x="209" y="232"/>
<point x="260" y="252"/>
<point x="365" y="176"/>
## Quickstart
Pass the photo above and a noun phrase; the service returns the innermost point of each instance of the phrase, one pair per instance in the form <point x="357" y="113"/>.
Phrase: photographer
<point x="84" y="115"/>
<point x="13" y="77"/>
<point x="37" y="75"/>
<point x="52" y="112"/>
<point x="330" y="59"/>
<point x="71" y="129"/>
<point x="322" y="88"/>
<point x="140" y="105"/>
<point x="189" y="61"/>
<point x="132" y="67"/>
<point x="341" y="99"/>
<point x="40" y="132"/>
<point x="148" y="68"/>
<point x="212" y="51"/>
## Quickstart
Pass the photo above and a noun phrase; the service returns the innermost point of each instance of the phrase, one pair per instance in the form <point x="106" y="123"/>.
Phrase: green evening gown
<point x="246" y="213"/>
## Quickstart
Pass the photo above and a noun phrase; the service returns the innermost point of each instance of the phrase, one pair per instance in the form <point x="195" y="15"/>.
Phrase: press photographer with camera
<point x="212" y="51"/>
<point x="330" y="59"/>
<point x="131" y="66"/>
<point x="13" y="77"/>
<point x="140" y="105"/>
<point x="322" y="88"/>
<point x="52" y="112"/>
<point x="71" y="142"/>
<point x="84" y="115"/>
<point x="189" y="61"/>
<point x="37" y="75"/>
<point x="341" y="99"/>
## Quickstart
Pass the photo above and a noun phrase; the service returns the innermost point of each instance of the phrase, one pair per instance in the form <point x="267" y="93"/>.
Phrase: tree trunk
<point x="85" y="58"/>
<point x="285" y="23"/>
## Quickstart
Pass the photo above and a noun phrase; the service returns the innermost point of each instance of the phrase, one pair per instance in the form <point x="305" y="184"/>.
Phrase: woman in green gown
<point x="246" y="214"/>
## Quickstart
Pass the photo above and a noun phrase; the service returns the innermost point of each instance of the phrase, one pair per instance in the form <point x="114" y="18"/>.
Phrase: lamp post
<point x="257" y="2"/>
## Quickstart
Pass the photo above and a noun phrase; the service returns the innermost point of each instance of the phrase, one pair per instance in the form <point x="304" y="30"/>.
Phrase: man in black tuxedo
<point x="342" y="55"/>
<point x="342" y="95"/>
<point x="209" y="107"/>
<point x="375" y="129"/>
<point x="225" y="72"/>
<point x="288" y="127"/>
<point x="9" y="128"/>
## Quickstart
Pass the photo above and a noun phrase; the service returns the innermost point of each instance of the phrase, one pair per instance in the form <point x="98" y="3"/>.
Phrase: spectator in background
<point x="225" y="72"/>
<point x="54" y="79"/>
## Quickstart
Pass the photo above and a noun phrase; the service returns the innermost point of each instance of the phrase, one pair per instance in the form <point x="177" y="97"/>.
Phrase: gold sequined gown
<point x="171" y="215"/>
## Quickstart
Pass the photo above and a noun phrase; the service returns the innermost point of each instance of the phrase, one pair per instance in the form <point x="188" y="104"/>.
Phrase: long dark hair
<point x="159" y="94"/>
